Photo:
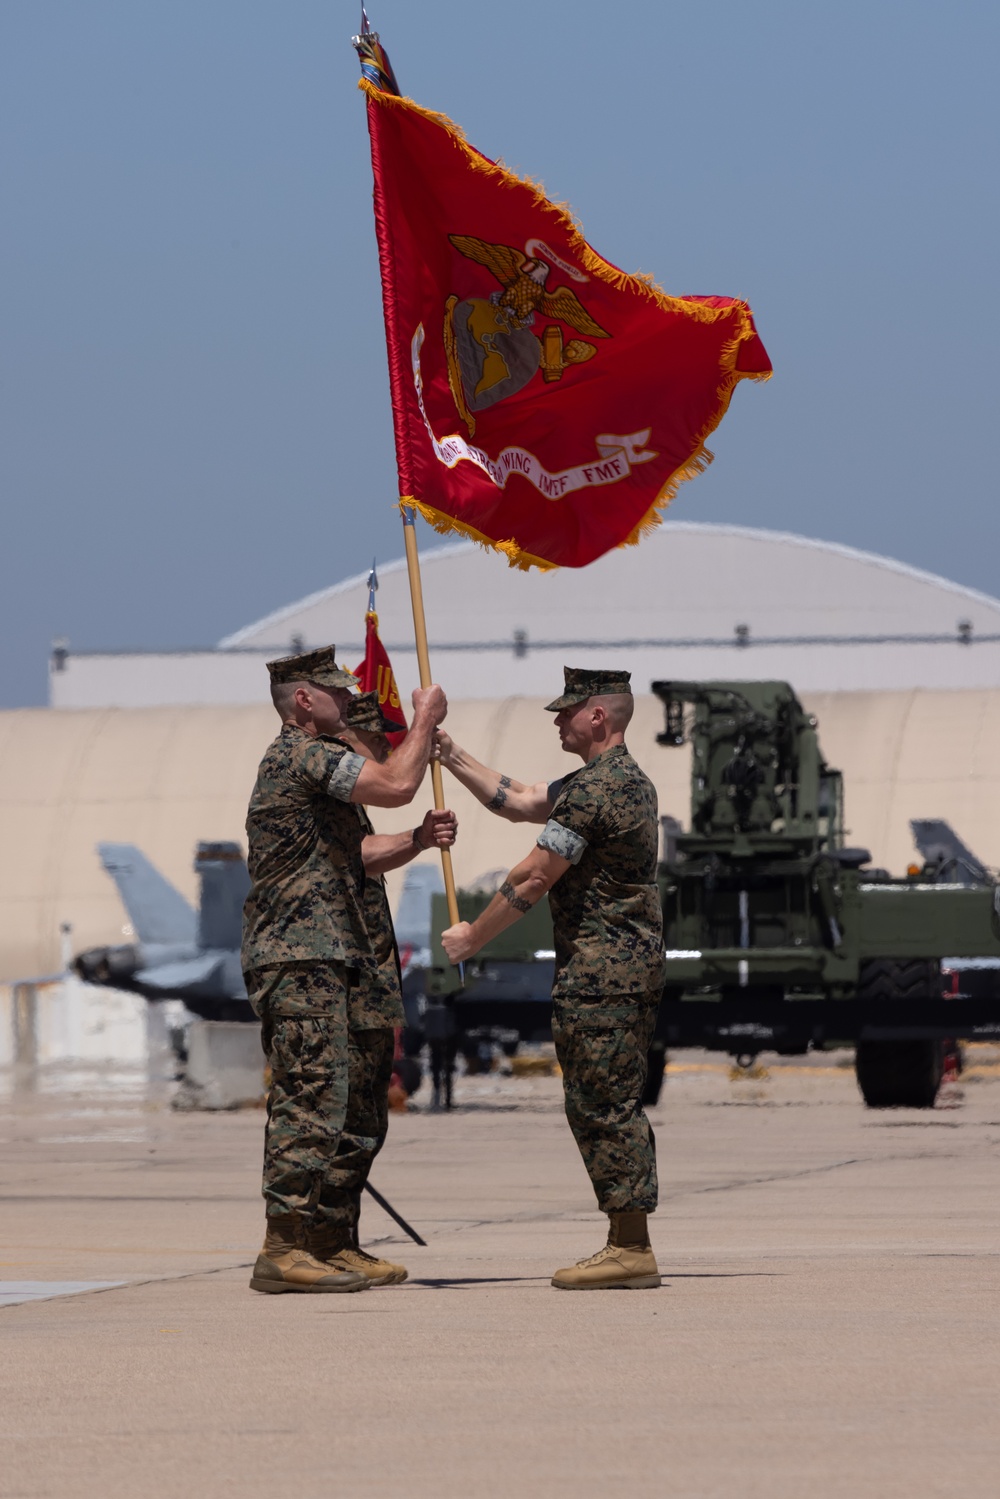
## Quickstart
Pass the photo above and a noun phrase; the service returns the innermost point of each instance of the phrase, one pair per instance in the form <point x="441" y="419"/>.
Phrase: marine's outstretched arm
<point x="381" y="852"/>
<point x="526" y="883"/>
<point x="498" y="793"/>
<point x="396" y="783"/>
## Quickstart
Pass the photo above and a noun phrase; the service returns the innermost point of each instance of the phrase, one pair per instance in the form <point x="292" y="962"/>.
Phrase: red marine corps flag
<point x="545" y="403"/>
<point x="375" y="674"/>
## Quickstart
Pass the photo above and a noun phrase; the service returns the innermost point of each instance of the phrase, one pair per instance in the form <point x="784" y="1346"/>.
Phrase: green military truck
<point x="781" y="938"/>
<point x="778" y="936"/>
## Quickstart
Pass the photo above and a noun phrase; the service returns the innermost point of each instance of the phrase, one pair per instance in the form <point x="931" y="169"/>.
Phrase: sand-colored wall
<point x="164" y="778"/>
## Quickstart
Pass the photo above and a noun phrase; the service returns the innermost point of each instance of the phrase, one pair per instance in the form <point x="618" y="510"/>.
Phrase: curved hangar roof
<point x="692" y="600"/>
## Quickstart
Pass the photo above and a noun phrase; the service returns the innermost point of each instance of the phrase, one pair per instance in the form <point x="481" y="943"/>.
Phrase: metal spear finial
<point x="375" y="64"/>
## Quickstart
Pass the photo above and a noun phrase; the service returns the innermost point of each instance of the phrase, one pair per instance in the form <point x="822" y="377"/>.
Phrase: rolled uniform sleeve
<point x="575" y="820"/>
<point x="330" y="768"/>
<point x="562" y="841"/>
<point x="344" y="776"/>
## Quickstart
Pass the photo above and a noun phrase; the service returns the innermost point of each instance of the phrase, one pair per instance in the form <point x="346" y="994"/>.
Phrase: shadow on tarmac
<point x="457" y="1282"/>
<point x="444" y="1282"/>
<point x="722" y="1274"/>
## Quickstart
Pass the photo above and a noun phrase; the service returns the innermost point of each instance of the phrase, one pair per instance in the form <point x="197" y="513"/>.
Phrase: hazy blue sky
<point x="195" y="411"/>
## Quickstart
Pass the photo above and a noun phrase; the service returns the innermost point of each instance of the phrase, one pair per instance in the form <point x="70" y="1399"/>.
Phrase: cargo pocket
<point x="588" y="1015"/>
<point x="309" y="1076"/>
<point x="602" y="1052"/>
<point x="261" y="984"/>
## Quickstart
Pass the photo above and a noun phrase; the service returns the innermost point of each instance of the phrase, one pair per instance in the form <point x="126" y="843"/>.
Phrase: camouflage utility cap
<point x="318" y="666"/>
<point x="364" y="712"/>
<point x="581" y="685"/>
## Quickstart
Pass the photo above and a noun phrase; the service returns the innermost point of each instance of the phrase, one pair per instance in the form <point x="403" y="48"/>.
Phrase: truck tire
<point x="899" y="1074"/>
<point x="899" y="978"/>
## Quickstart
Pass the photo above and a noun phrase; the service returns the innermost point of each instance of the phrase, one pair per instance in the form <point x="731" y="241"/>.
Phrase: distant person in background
<point x="305" y="947"/>
<point x="596" y="859"/>
<point x="374" y="1008"/>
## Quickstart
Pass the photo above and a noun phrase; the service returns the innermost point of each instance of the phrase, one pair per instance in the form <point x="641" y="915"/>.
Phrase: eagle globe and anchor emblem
<point x="490" y="343"/>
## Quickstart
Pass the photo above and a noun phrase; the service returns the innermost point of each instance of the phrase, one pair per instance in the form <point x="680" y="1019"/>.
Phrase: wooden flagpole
<point x="377" y="69"/>
<point x="424" y="665"/>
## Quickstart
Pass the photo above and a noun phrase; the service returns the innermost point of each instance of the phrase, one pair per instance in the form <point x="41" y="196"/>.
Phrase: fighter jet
<point x="178" y="953"/>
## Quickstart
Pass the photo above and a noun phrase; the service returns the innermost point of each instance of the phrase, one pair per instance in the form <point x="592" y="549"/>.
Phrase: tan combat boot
<point x="283" y="1265"/>
<point x="379" y="1272"/>
<point x="333" y="1251"/>
<point x="626" y="1263"/>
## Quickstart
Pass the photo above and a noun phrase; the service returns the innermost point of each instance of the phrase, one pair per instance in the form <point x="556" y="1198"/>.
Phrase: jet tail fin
<point x="937" y="841"/>
<point x="225" y="885"/>
<point x="158" y="912"/>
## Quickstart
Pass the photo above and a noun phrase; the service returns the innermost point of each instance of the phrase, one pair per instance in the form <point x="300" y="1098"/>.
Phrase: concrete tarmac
<point x="828" y="1324"/>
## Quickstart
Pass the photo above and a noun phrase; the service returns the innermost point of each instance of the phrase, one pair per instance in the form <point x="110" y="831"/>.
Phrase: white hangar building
<point x="690" y="601"/>
<point x="902" y="669"/>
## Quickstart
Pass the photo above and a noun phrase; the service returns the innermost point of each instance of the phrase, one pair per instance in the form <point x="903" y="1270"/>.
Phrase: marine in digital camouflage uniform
<point x="308" y="957"/>
<point x="596" y="857"/>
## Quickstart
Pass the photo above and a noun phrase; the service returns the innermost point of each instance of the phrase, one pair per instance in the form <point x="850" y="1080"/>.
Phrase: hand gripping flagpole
<point x="377" y="70"/>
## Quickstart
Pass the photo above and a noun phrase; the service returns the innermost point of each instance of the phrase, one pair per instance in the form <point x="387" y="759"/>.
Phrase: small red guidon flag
<point x="375" y="674"/>
<point x="545" y="402"/>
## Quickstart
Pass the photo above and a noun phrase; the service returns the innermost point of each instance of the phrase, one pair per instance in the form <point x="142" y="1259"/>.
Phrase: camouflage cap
<point x="581" y="684"/>
<point x="317" y="666"/>
<point x="364" y="712"/>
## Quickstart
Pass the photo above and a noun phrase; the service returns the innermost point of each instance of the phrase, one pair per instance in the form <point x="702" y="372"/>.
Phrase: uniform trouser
<point x="327" y="1107"/>
<point x="602" y="1046"/>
